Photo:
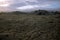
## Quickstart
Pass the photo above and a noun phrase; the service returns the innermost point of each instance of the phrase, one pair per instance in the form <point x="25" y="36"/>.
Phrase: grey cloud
<point x="55" y="4"/>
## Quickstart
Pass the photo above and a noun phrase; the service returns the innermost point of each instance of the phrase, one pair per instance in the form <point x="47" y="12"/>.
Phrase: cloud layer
<point x="22" y="5"/>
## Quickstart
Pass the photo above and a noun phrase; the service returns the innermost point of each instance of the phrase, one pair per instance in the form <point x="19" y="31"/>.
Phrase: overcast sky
<point x="25" y="5"/>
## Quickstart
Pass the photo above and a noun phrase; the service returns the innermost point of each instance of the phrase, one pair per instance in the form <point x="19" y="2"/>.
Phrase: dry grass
<point x="28" y="27"/>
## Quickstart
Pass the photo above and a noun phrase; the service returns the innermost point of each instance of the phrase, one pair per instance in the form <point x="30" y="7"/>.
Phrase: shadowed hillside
<point x="29" y="27"/>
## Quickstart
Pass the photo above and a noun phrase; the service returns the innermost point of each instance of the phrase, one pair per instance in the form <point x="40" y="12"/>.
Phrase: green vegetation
<point x="29" y="27"/>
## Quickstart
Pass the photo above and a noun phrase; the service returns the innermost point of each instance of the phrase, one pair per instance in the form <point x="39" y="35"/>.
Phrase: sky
<point x="29" y="5"/>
